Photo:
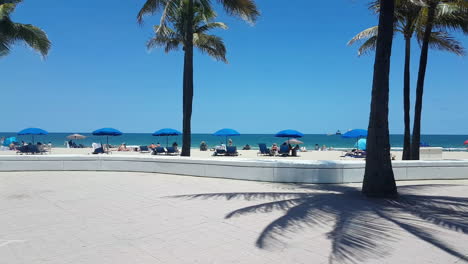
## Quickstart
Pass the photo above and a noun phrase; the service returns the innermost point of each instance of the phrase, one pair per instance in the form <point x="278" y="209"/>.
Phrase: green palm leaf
<point x="11" y="33"/>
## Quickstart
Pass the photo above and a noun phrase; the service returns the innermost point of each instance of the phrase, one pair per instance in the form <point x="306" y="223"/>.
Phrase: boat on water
<point x="337" y="133"/>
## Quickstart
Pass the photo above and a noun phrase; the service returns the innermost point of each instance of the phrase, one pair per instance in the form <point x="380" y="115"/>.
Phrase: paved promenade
<point x="143" y="218"/>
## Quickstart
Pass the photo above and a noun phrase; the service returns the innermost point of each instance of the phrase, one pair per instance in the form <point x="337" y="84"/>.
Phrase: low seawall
<point x="282" y="170"/>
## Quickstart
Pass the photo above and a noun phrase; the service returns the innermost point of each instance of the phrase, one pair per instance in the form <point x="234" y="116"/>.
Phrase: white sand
<point x="251" y="154"/>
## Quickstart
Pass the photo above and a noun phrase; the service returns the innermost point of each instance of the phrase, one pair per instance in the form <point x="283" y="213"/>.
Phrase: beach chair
<point x="22" y="150"/>
<point x="219" y="152"/>
<point x="231" y="151"/>
<point x="42" y="149"/>
<point x="158" y="150"/>
<point x="263" y="150"/>
<point x="144" y="149"/>
<point x="99" y="150"/>
<point x="284" y="150"/>
<point x="171" y="151"/>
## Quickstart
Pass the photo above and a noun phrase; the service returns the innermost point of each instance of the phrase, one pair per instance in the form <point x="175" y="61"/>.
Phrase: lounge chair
<point x="219" y="152"/>
<point x="356" y="154"/>
<point x="231" y="151"/>
<point x="42" y="149"/>
<point x="144" y="149"/>
<point x="158" y="150"/>
<point x="22" y="150"/>
<point x="99" y="150"/>
<point x="263" y="150"/>
<point x="284" y="150"/>
<point x="171" y="151"/>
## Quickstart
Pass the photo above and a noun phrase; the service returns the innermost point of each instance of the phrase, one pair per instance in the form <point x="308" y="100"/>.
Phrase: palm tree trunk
<point x="420" y="83"/>
<point x="379" y="180"/>
<point x="188" y="84"/>
<point x="406" y="100"/>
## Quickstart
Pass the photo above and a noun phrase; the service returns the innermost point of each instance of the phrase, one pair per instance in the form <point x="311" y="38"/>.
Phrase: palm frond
<point x="246" y="9"/>
<point x="451" y="16"/>
<point x="4" y="47"/>
<point x="441" y="40"/>
<point x="211" y="45"/>
<point x="166" y="38"/>
<point x="368" y="46"/>
<point x="365" y="34"/>
<point x="35" y="37"/>
<point x="150" y="7"/>
<point x="209" y="26"/>
<point x="6" y="9"/>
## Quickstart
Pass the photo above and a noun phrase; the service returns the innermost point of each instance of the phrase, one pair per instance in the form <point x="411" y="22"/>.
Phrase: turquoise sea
<point x="449" y="142"/>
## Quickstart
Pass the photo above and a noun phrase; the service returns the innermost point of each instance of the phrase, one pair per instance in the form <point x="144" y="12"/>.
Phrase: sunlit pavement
<point x="107" y="217"/>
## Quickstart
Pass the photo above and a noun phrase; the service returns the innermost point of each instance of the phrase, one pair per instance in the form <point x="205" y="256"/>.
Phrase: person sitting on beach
<point x="203" y="146"/>
<point x="123" y="147"/>
<point x="294" y="151"/>
<point x="246" y="147"/>
<point x="152" y="146"/>
<point x="303" y="149"/>
<point x="274" y="149"/>
<point x="324" y="148"/>
<point x="317" y="147"/>
<point x="229" y="142"/>
<point x="158" y="145"/>
<point x="174" y="145"/>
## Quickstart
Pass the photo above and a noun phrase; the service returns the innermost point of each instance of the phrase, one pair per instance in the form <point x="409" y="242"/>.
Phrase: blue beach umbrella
<point x="33" y="132"/>
<point x="355" y="133"/>
<point x="361" y="144"/>
<point x="289" y="133"/>
<point x="226" y="132"/>
<point x="167" y="132"/>
<point x="107" y="132"/>
<point x="8" y="141"/>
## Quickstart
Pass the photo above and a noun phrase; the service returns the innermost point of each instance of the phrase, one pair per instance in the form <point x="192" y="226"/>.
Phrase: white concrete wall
<point x="298" y="171"/>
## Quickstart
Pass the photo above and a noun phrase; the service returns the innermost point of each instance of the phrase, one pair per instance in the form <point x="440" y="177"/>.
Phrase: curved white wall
<point x="298" y="171"/>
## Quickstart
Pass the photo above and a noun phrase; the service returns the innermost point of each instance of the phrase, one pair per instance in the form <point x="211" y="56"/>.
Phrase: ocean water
<point x="449" y="142"/>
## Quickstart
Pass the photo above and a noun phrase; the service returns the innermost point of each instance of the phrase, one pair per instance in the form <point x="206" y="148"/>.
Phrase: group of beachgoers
<point x="151" y="147"/>
<point x="12" y="144"/>
<point x="274" y="150"/>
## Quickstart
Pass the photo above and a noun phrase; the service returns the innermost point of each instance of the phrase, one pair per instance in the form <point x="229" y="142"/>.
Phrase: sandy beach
<point x="248" y="154"/>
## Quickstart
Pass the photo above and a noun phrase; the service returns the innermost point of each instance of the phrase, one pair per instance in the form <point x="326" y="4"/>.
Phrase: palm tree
<point x="458" y="10"/>
<point x="11" y="32"/>
<point x="379" y="180"/>
<point x="409" y="20"/>
<point x="246" y="9"/>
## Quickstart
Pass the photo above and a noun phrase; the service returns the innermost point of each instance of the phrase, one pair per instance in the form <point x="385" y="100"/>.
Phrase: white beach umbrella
<point x="76" y="136"/>
<point x="294" y="142"/>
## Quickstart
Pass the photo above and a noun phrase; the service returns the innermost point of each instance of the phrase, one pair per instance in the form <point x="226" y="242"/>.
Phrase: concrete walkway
<point x="133" y="218"/>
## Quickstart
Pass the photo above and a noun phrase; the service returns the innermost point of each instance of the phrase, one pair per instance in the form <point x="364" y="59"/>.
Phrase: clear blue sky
<point x="291" y="70"/>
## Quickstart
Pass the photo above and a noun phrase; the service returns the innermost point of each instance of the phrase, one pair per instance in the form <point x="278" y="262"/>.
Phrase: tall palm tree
<point x="11" y="32"/>
<point x="172" y="38"/>
<point x="410" y="19"/>
<point x="379" y="180"/>
<point x="458" y="10"/>
<point x="246" y="9"/>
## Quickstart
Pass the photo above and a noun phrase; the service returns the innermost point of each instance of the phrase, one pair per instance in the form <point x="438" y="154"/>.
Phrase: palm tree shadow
<point x="362" y="228"/>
